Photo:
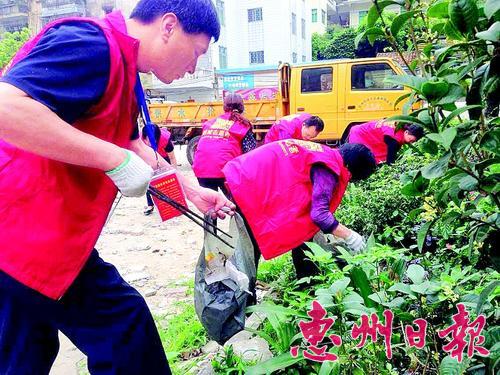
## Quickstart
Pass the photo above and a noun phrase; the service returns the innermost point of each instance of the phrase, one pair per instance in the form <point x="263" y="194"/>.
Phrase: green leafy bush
<point x="10" y="43"/>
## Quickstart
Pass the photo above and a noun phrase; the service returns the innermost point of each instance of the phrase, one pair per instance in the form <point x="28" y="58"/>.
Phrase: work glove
<point x="355" y="242"/>
<point x="131" y="177"/>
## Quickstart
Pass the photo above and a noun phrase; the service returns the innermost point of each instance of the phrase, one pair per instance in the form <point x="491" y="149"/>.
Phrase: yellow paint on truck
<point x="341" y="92"/>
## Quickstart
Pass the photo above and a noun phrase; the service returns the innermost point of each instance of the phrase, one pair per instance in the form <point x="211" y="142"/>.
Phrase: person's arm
<point x="32" y="126"/>
<point x="324" y="183"/>
<point x="206" y="200"/>
<point x="248" y="143"/>
<point x="393" y="148"/>
<point x="169" y="149"/>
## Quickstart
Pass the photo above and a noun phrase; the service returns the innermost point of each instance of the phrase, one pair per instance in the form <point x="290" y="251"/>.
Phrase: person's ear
<point x="168" y="23"/>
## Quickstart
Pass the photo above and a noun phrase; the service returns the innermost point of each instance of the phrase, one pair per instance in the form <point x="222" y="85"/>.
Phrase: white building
<point x="323" y="13"/>
<point x="352" y="12"/>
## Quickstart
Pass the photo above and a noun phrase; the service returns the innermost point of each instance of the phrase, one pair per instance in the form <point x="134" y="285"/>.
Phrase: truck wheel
<point x="191" y="148"/>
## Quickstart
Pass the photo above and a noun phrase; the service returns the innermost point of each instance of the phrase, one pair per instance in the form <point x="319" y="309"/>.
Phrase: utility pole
<point x="34" y="16"/>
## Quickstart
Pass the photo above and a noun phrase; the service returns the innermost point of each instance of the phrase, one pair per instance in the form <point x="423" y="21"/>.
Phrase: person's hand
<point x="355" y="242"/>
<point x="132" y="176"/>
<point x="212" y="202"/>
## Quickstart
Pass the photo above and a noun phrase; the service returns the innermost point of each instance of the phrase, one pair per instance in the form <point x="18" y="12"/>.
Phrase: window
<point x="314" y="13"/>
<point x="323" y="17"/>
<point x="303" y="58"/>
<point x="362" y="14"/>
<point x="220" y="12"/>
<point x="294" y="57"/>
<point x="294" y="24"/>
<point x="254" y="14"/>
<point x="257" y="57"/>
<point x="222" y="57"/>
<point x="372" y="77"/>
<point x="303" y="23"/>
<point x="317" y="80"/>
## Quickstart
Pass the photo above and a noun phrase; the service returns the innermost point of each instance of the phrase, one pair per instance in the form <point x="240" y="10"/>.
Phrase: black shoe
<point x="149" y="210"/>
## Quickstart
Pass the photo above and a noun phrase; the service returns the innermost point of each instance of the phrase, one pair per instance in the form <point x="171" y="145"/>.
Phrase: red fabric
<point x="163" y="142"/>
<point x="371" y="134"/>
<point x="272" y="187"/>
<point x="220" y="142"/>
<point x="287" y="127"/>
<point x="52" y="212"/>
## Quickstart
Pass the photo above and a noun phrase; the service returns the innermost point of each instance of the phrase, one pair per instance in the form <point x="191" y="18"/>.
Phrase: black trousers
<point x="214" y="184"/>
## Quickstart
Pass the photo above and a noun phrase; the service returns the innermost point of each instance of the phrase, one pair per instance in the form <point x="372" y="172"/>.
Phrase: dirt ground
<point x="156" y="258"/>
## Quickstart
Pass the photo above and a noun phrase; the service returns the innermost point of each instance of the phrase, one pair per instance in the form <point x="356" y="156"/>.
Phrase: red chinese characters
<point x="416" y="338"/>
<point x="314" y="332"/>
<point x="460" y="331"/>
<point x="366" y="329"/>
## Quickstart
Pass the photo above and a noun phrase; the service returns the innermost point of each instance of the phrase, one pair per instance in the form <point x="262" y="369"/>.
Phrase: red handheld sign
<point x="168" y="183"/>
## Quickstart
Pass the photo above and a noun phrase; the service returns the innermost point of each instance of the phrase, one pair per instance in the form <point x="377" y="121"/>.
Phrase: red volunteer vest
<point x="272" y="187"/>
<point x="163" y="142"/>
<point x="287" y="127"/>
<point x="220" y="142"/>
<point x="52" y="213"/>
<point x="371" y="134"/>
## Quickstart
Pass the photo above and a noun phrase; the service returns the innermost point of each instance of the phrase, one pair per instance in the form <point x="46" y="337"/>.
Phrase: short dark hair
<point x="195" y="16"/>
<point x="359" y="160"/>
<point x="315" y="121"/>
<point x="416" y="130"/>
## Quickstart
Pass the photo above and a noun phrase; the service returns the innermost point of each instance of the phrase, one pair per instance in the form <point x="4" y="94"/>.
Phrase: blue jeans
<point x="101" y="314"/>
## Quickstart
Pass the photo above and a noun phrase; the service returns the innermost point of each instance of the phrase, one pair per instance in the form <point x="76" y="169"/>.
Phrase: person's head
<point x="312" y="127"/>
<point x="173" y="34"/>
<point x="412" y="133"/>
<point x="234" y="103"/>
<point x="359" y="160"/>
<point x="157" y="133"/>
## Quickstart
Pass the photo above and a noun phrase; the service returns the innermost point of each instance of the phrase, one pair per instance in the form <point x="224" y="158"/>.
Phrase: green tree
<point x="10" y="44"/>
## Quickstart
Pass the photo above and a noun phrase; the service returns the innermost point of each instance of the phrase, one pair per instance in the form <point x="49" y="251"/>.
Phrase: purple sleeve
<point x="324" y="183"/>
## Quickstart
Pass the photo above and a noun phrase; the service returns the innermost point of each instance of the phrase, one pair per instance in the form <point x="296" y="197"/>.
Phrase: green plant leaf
<point x="406" y="119"/>
<point x="339" y="286"/>
<point x="271" y="308"/>
<point x="422" y="234"/>
<point x="412" y="82"/>
<point x="463" y="14"/>
<point x="492" y="34"/>
<point x="400" y="20"/>
<point x="416" y="273"/>
<point x="439" y="9"/>
<point x="401" y="288"/>
<point x="458" y="112"/>
<point x="402" y="98"/>
<point x="330" y="368"/>
<point x="491" y="142"/>
<point x="455" y="93"/>
<point x="437" y="168"/>
<point x="274" y="364"/>
<point x="470" y="67"/>
<point x="448" y="136"/>
<point x="371" y="34"/>
<point x="450" y="366"/>
<point x="395" y="303"/>
<point x="422" y="288"/>
<point x="491" y="7"/>
<point x="468" y="183"/>
<point x="360" y="281"/>
<point x="483" y="297"/>
<point x="451" y="31"/>
<point x="373" y="14"/>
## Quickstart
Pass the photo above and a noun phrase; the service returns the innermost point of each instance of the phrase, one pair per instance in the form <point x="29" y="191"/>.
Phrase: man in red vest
<point x="68" y="142"/>
<point x="299" y="126"/>
<point x="383" y="139"/>
<point x="289" y="190"/>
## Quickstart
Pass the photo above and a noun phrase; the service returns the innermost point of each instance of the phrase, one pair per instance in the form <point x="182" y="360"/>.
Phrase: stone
<point x="255" y="349"/>
<point x="139" y="248"/>
<point x="136" y="276"/>
<point x="255" y="320"/>
<point x="211" y="347"/>
<point x="205" y="368"/>
<point x="240" y="336"/>
<point x="150" y="292"/>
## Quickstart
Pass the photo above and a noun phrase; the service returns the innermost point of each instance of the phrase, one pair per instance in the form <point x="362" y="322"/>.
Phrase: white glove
<point x="355" y="242"/>
<point x="132" y="177"/>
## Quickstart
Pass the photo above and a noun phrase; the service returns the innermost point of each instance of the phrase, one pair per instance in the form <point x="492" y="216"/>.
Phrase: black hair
<point x="156" y="130"/>
<point x="195" y="16"/>
<point x="358" y="159"/>
<point x="416" y="130"/>
<point x="315" y="121"/>
<point x="234" y="103"/>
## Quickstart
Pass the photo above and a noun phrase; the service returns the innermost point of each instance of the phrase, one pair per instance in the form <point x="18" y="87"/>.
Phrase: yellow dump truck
<point x="342" y="92"/>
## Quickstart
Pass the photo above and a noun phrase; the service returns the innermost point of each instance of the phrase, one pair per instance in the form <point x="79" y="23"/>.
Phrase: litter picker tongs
<point x="193" y="216"/>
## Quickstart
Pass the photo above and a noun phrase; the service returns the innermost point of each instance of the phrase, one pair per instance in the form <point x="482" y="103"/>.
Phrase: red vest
<point x="52" y="213"/>
<point x="163" y="142"/>
<point x="220" y="142"/>
<point x="287" y="127"/>
<point x="371" y="134"/>
<point x="272" y="187"/>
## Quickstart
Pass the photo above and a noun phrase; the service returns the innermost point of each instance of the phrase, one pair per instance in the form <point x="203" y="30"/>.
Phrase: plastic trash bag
<point x="225" y="282"/>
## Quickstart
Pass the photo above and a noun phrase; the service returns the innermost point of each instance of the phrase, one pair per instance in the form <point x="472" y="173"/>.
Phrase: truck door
<point x="315" y="93"/>
<point x="367" y="96"/>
